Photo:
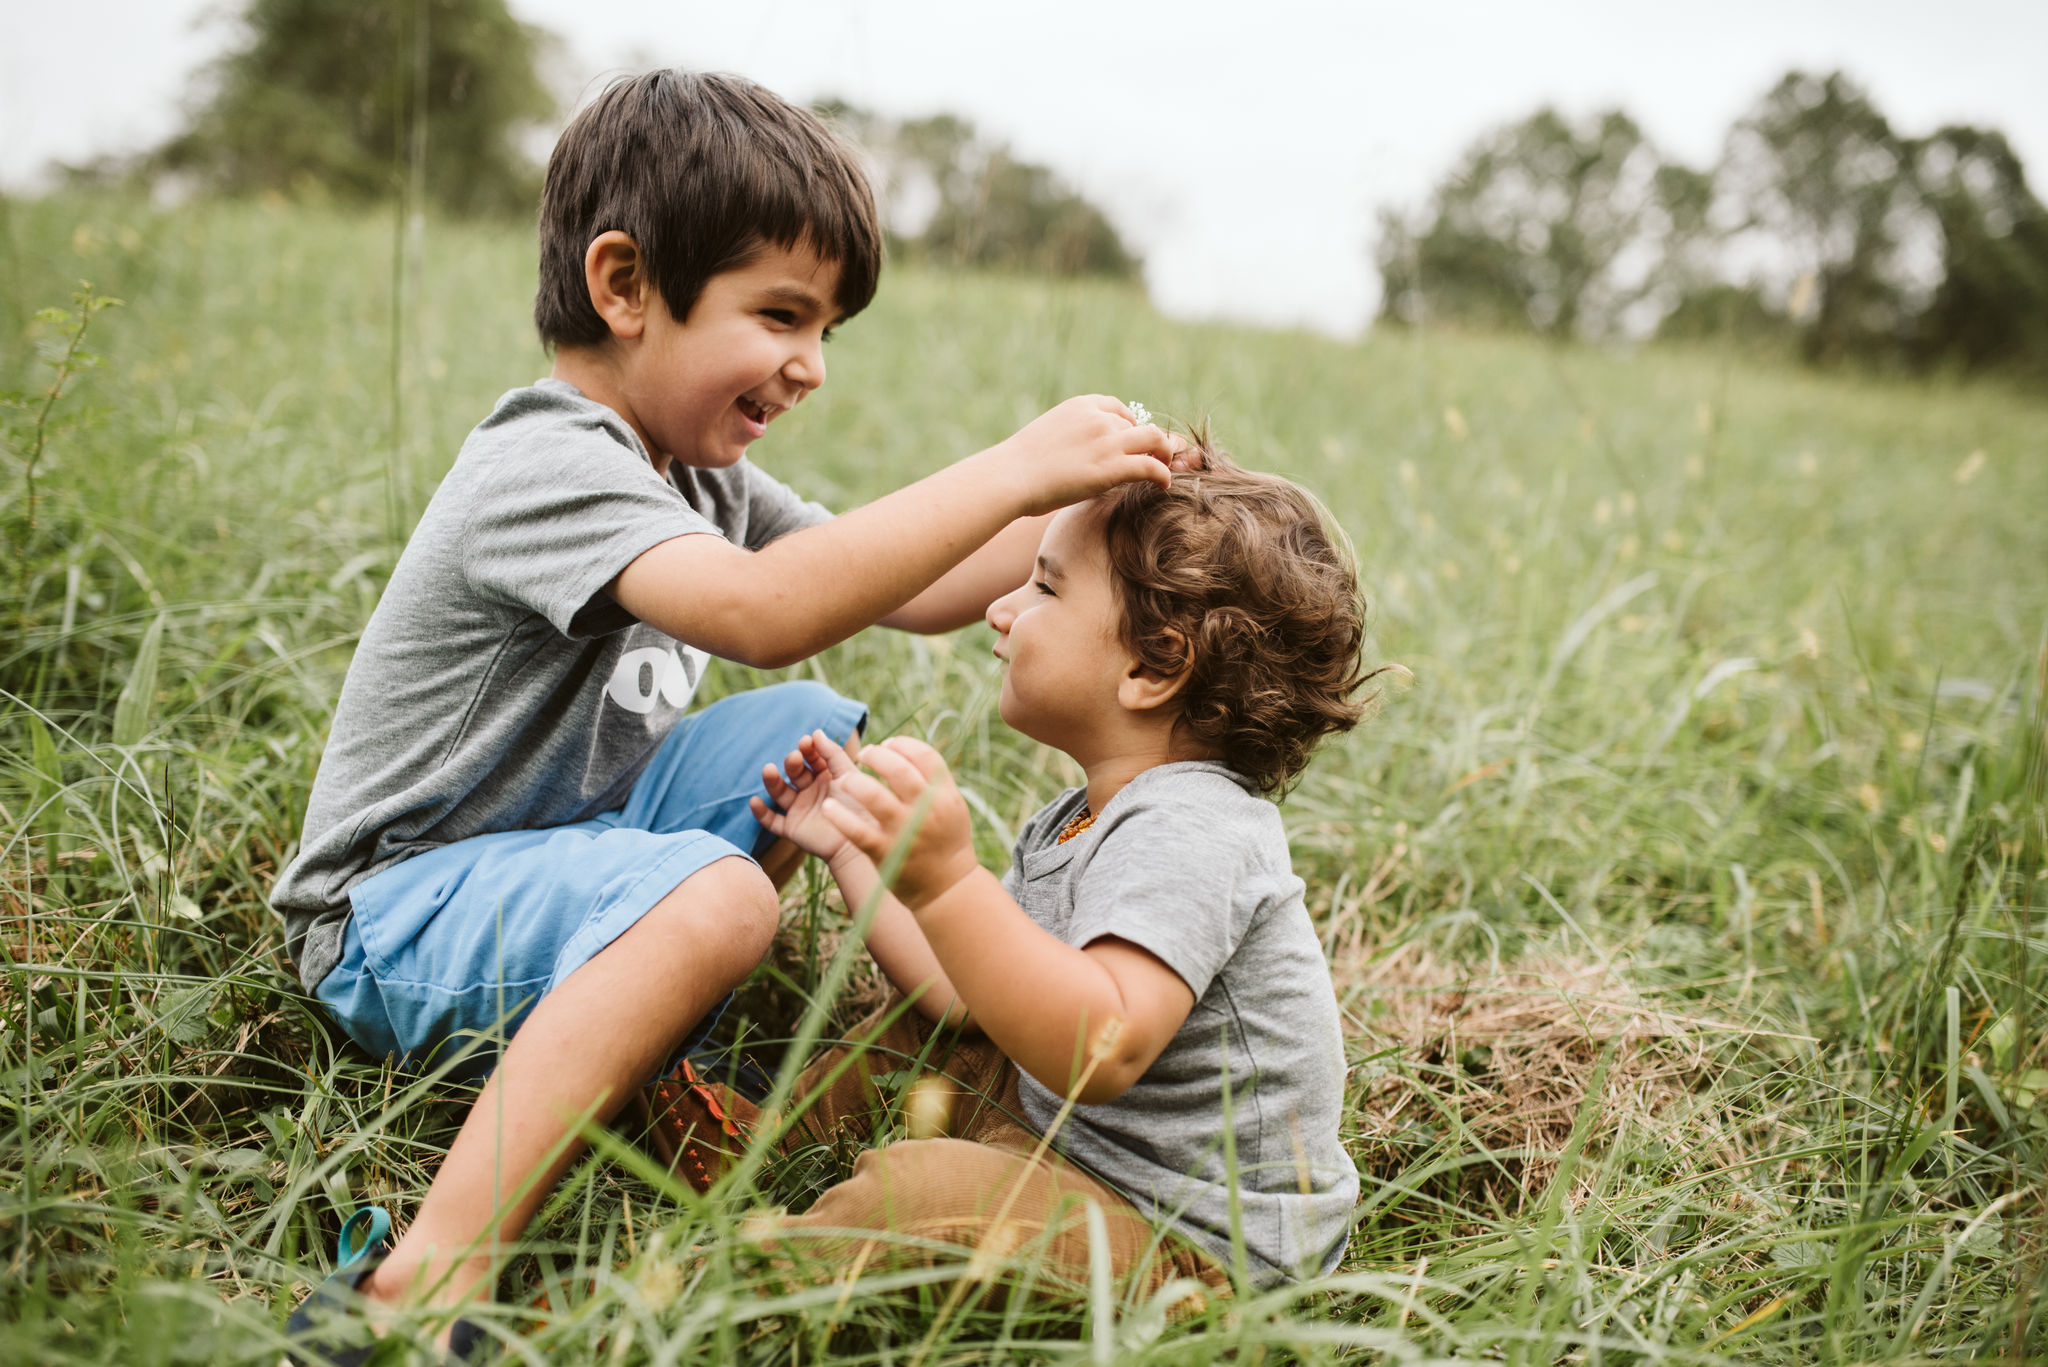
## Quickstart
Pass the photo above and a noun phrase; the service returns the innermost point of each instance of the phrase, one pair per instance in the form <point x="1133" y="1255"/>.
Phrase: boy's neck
<point x="594" y="372"/>
<point x="1111" y="769"/>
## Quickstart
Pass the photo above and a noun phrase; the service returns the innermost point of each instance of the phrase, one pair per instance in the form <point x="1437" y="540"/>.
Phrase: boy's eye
<point x="826" y="335"/>
<point x="782" y="316"/>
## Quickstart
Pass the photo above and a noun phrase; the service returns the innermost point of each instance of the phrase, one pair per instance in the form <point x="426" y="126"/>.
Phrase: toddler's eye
<point x="1043" y="588"/>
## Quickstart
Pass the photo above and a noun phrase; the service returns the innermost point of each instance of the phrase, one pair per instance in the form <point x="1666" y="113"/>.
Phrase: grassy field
<point x="1686" y="910"/>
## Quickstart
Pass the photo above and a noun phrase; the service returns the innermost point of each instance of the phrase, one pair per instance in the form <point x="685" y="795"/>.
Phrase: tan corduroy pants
<point x="988" y="1189"/>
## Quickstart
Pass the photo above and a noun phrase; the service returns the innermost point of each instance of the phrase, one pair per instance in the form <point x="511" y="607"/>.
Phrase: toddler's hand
<point x="916" y="790"/>
<point x="798" y="791"/>
<point x="1084" y="446"/>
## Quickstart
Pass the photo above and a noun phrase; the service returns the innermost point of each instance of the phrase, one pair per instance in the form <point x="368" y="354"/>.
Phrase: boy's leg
<point x="624" y="930"/>
<point x="991" y="1197"/>
<point x="989" y="1187"/>
<point x="590" y="1043"/>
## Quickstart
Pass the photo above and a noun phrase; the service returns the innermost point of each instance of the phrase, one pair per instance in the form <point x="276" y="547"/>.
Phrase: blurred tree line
<point x="363" y="99"/>
<point x="954" y="197"/>
<point x="444" y="102"/>
<point x="1822" y="229"/>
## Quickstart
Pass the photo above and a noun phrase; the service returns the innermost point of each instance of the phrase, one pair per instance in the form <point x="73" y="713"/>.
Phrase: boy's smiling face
<point x="1058" y="636"/>
<point x="700" y="390"/>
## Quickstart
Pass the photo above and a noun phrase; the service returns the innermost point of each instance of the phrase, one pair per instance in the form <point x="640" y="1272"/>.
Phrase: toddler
<point x="1138" y="1015"/>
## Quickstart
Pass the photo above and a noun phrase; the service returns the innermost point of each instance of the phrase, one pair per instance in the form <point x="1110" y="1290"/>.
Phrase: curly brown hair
<point x="1235" y="577"/>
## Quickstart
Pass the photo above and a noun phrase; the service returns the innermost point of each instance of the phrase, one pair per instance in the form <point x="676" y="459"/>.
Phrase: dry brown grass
<point x="1499" y="1059"/>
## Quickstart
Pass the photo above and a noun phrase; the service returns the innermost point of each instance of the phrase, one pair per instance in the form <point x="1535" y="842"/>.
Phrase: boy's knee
<point x="728" y="903"/>
<point x="747" y="899"/>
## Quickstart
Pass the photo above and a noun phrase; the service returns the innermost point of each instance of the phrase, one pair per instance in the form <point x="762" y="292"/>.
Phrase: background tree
<point x="1738" y="315"/>
<point x="1821" y="229"/>
<point x="1816" y="178"/>
<point x="1990" y="310"/>
<point x="348" y="95"/>
<point x="953" y="197"/>
<point x="1545" y="224"/>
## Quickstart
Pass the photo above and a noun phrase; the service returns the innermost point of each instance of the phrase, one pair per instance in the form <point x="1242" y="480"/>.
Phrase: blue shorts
<point x="460" y="942"/>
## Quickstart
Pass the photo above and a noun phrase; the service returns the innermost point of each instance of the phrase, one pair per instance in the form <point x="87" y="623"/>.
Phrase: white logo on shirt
<point x="673" y="680"/>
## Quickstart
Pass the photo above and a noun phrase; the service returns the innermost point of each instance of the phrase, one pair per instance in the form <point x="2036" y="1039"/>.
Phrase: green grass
<point x="1727" y="679"/>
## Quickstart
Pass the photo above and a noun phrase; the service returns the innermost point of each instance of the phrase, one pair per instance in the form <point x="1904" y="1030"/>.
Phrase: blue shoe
<point x="328" y="1328"/>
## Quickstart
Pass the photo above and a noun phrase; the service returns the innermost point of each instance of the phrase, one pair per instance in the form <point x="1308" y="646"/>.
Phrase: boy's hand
<point x="798" y="791"/>
<point x="1082" y="447"/>
<point x="915" y="789"/>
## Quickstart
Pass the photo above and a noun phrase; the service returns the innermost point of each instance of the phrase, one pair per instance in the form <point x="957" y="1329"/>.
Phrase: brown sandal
<point x="687" y="1128"/>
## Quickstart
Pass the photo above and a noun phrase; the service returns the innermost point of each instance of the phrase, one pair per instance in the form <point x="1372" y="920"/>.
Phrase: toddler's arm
<point x="797" y="791"/>
<point x="898" y="945"/>
<point x="1045" y="1003"/>
<point x="815" y="587"/>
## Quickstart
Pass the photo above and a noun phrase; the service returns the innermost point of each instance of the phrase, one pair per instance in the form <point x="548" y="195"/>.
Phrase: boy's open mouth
<point x="757" y="413"/>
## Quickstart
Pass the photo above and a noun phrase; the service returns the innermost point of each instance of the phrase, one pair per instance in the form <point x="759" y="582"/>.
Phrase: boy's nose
<point x="807" y="367"/>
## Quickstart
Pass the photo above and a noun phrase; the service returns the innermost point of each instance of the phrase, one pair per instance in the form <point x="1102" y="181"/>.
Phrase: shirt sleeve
<point x="1158" y="882"/>
<point x="774" y="509"/>
<point x="554" y="523"/>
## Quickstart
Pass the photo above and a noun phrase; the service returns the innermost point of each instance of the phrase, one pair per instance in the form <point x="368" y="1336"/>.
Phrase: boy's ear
<point x="615" y="274"/>
<point x="1145" y="689"/>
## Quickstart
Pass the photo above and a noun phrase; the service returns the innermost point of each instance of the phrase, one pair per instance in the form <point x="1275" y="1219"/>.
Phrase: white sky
<point x="1242" y="145"/>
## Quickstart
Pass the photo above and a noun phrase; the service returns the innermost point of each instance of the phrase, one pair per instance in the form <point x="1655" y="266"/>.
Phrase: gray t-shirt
<point x="498" y="686"/>
<point x="1189" y="863"/>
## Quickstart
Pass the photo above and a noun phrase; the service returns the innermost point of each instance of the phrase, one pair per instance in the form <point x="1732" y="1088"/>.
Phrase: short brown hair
<point x="703" y="172"/>
<point x="1234" y="577"/>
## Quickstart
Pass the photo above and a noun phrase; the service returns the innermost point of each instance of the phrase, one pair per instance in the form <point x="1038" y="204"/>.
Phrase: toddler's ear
<point x="1144" y="689"/>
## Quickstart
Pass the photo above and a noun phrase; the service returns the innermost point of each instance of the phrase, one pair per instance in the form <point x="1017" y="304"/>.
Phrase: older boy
<point x="514" y="827"/>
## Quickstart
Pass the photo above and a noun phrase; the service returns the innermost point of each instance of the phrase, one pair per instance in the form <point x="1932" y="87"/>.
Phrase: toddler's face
<point x="1058" y="636"/>
<point x="705" y="388"/>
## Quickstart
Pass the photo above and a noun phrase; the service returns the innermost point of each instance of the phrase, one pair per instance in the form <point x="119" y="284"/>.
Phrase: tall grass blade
<point x="46" y="773"/>
<point x="1101" y="1307"/>
<point x="133" y="709"/>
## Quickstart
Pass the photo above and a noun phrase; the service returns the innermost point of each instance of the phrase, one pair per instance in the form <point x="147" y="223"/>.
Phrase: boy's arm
<point x="815" y="587"/>
<point x="1042" y="1001"/>
<point x="962" y="595"/>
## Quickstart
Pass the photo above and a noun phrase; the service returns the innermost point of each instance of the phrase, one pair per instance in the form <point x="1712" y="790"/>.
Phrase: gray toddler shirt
<point x="498" y="686"/>
<point x="1189" y="863"/>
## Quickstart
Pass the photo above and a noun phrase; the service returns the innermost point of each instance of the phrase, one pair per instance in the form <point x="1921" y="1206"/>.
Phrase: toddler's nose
<point x="1001" y="613"/>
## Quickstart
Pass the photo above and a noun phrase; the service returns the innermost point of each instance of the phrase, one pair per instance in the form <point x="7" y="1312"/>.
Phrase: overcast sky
<point x="1242" y="145"/>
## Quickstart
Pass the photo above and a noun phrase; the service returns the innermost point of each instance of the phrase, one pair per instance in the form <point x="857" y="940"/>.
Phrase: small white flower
<point x="1139" y="412"/>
